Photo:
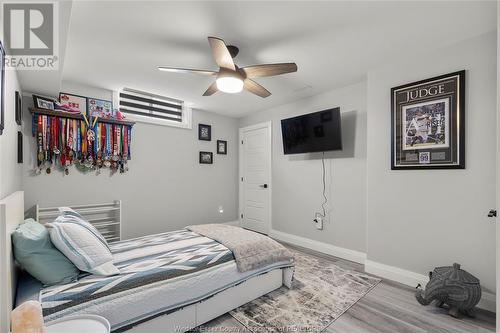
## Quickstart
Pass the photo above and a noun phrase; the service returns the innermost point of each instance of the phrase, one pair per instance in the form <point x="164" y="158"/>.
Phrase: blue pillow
<point x="35" y="252"/>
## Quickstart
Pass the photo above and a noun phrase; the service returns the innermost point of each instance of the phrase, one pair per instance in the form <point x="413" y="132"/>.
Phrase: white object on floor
<point x="80" y="324"/>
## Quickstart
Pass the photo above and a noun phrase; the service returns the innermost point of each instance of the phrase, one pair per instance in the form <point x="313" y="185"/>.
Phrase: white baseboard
<point x="488" y="301"/>
<point x="400" y="275"/>
<point x="412" y="279"/>
<point x="333" y="250"/>
<point x="235" y="223"/>
<point x="406" y="277"/>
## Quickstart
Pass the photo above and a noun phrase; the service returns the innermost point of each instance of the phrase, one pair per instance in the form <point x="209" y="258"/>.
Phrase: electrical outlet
<point x="318" y="221"/>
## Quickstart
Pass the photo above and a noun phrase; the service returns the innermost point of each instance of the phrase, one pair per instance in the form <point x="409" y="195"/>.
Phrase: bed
<point x="172" y="281"/>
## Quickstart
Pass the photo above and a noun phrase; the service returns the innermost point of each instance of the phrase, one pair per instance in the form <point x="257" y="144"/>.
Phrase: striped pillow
<point x="81" y="243"/>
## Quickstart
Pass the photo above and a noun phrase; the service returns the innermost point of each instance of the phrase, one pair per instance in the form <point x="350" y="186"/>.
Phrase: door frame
<point x="269" y="126"/>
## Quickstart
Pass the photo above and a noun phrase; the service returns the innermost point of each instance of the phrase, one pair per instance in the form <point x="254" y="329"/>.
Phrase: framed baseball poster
<point x="428" y="123"/>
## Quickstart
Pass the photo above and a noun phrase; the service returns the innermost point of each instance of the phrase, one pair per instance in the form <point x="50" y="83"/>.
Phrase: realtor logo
<point x="31" y="38"/>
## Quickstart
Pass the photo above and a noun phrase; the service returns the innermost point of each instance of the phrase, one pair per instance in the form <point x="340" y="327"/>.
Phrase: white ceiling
<point x="118" y="44"/>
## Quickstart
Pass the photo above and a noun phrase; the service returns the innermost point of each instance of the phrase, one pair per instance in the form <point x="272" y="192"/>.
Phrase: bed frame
<point x="12" y="214"/>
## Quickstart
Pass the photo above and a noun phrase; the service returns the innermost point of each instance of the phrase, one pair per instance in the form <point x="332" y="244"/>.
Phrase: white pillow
<point x="81" y="243"/>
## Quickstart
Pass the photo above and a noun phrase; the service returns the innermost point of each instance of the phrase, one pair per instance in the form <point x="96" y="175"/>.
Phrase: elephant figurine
<point x="453" y="286"/>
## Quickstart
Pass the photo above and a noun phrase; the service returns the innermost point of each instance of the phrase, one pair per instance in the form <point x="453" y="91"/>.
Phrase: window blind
<point x="150" y="105"/>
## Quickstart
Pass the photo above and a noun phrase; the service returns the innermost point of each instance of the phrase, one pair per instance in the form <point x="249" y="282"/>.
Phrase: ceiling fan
<point x="230" y="78"/>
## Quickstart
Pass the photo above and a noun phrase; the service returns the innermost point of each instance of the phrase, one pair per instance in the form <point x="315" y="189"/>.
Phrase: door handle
<point x="263" y="185"/>
<point x="492" y="213"/>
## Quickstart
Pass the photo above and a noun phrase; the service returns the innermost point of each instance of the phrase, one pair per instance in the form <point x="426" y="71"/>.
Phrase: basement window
<point x="145" y="107"/>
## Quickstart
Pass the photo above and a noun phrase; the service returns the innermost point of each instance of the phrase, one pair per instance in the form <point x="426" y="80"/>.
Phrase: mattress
<point x="159" y="274"/>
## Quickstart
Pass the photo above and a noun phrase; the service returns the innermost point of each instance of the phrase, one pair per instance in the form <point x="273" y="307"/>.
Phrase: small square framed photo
<point x="204" y="132"/>
<point x="43" y="102"/>
<point x="222" y="147"/>
<point x="18" y="108"/>
<point x="206" y="157"/>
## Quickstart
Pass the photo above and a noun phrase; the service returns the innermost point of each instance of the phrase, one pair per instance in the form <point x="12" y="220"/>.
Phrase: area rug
<point x="321" y="292"/>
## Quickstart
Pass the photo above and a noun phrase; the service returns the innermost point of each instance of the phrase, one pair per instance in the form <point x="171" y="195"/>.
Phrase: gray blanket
<point x="251" y="250"/>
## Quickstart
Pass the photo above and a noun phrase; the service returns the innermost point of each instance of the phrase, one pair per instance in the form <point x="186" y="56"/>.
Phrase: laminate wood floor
<point x="389" y="307"/>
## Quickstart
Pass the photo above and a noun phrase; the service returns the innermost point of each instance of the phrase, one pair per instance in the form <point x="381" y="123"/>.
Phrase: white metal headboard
<point x="106" y="217"/>
<point x="11" y="215"/>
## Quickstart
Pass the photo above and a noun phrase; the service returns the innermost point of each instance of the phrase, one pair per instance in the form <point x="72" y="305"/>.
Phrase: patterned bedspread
<point x="143" y="262"/>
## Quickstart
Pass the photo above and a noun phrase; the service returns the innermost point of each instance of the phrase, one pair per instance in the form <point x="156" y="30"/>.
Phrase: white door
<point x="255" y="177"/>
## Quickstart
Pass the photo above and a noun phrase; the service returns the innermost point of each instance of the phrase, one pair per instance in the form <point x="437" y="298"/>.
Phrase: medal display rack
<point x="79" y="116"/>
<point x="91" y="144"/>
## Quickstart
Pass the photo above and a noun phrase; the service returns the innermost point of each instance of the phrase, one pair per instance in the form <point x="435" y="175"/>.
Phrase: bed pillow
<point x="37" y="255"/>
<point x="81" y="243"/>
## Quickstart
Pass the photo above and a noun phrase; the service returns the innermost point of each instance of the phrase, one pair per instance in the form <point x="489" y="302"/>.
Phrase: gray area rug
<point x="321" y="292"/>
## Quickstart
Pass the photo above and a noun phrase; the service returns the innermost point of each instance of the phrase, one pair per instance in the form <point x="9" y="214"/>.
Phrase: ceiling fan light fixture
<point x="229" y="84"/>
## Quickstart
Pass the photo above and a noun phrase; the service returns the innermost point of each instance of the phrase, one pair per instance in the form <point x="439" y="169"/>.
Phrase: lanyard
<point x="48" y="132"/>
<point x="129" y="137"/>
<point x="118" y="139"/>
<point x="40" y="139"/>
<point x="124" y="147"/>
<point x="44" y="132"/>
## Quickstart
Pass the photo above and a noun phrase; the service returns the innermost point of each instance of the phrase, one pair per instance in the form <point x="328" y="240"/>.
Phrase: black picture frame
<point x="19" y="108"/>
<point x="41" y="102"/>
<point x="19" y="147"/>
<point x="433" y="114"/>
<point x="206" y="157"/>
<point x="204" y="132"/>
<point x="2" y="88"/>
<point x="221" y="147"/>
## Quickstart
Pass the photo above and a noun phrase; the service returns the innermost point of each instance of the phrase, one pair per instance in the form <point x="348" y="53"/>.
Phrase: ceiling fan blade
<point x="186" y="70"/>
<point x="256" y="88"/>
<point x="211" y="90"/>
<point x="221" y="53"/>
<point x="269" y="69"/>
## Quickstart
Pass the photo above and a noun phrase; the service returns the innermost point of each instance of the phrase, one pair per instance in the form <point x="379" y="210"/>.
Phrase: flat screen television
<point x="313" y="132"/>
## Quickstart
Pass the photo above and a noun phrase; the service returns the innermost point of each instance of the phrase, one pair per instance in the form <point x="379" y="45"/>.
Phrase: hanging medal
<point x="44" y="138"/>
<point x="98" y="150"/>
<point x="70" y="140"/>
<point x="55" y="143"/>
<point x="78" y="139"/>
<point x="69" y="153"/>
<point x="107" y="145"/>
<point x="39" y="135"/>
<point x="62" y="143"/>
<point x="125" y="148"/>
<point x="48" y="159"/>
<point x="83" y="139"/>
<point x="91" y="136"/>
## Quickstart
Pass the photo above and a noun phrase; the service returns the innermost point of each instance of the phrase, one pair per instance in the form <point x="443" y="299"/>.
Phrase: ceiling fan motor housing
<point x="233" y="50"/>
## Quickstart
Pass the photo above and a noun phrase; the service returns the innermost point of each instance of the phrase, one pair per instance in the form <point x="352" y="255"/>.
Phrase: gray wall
<point x="297" y="179"/>
<point x="421" y="219"/>
<point x="165" y="189"/>
<point x="10" y="170"/>
<point x="498" y="159"/>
